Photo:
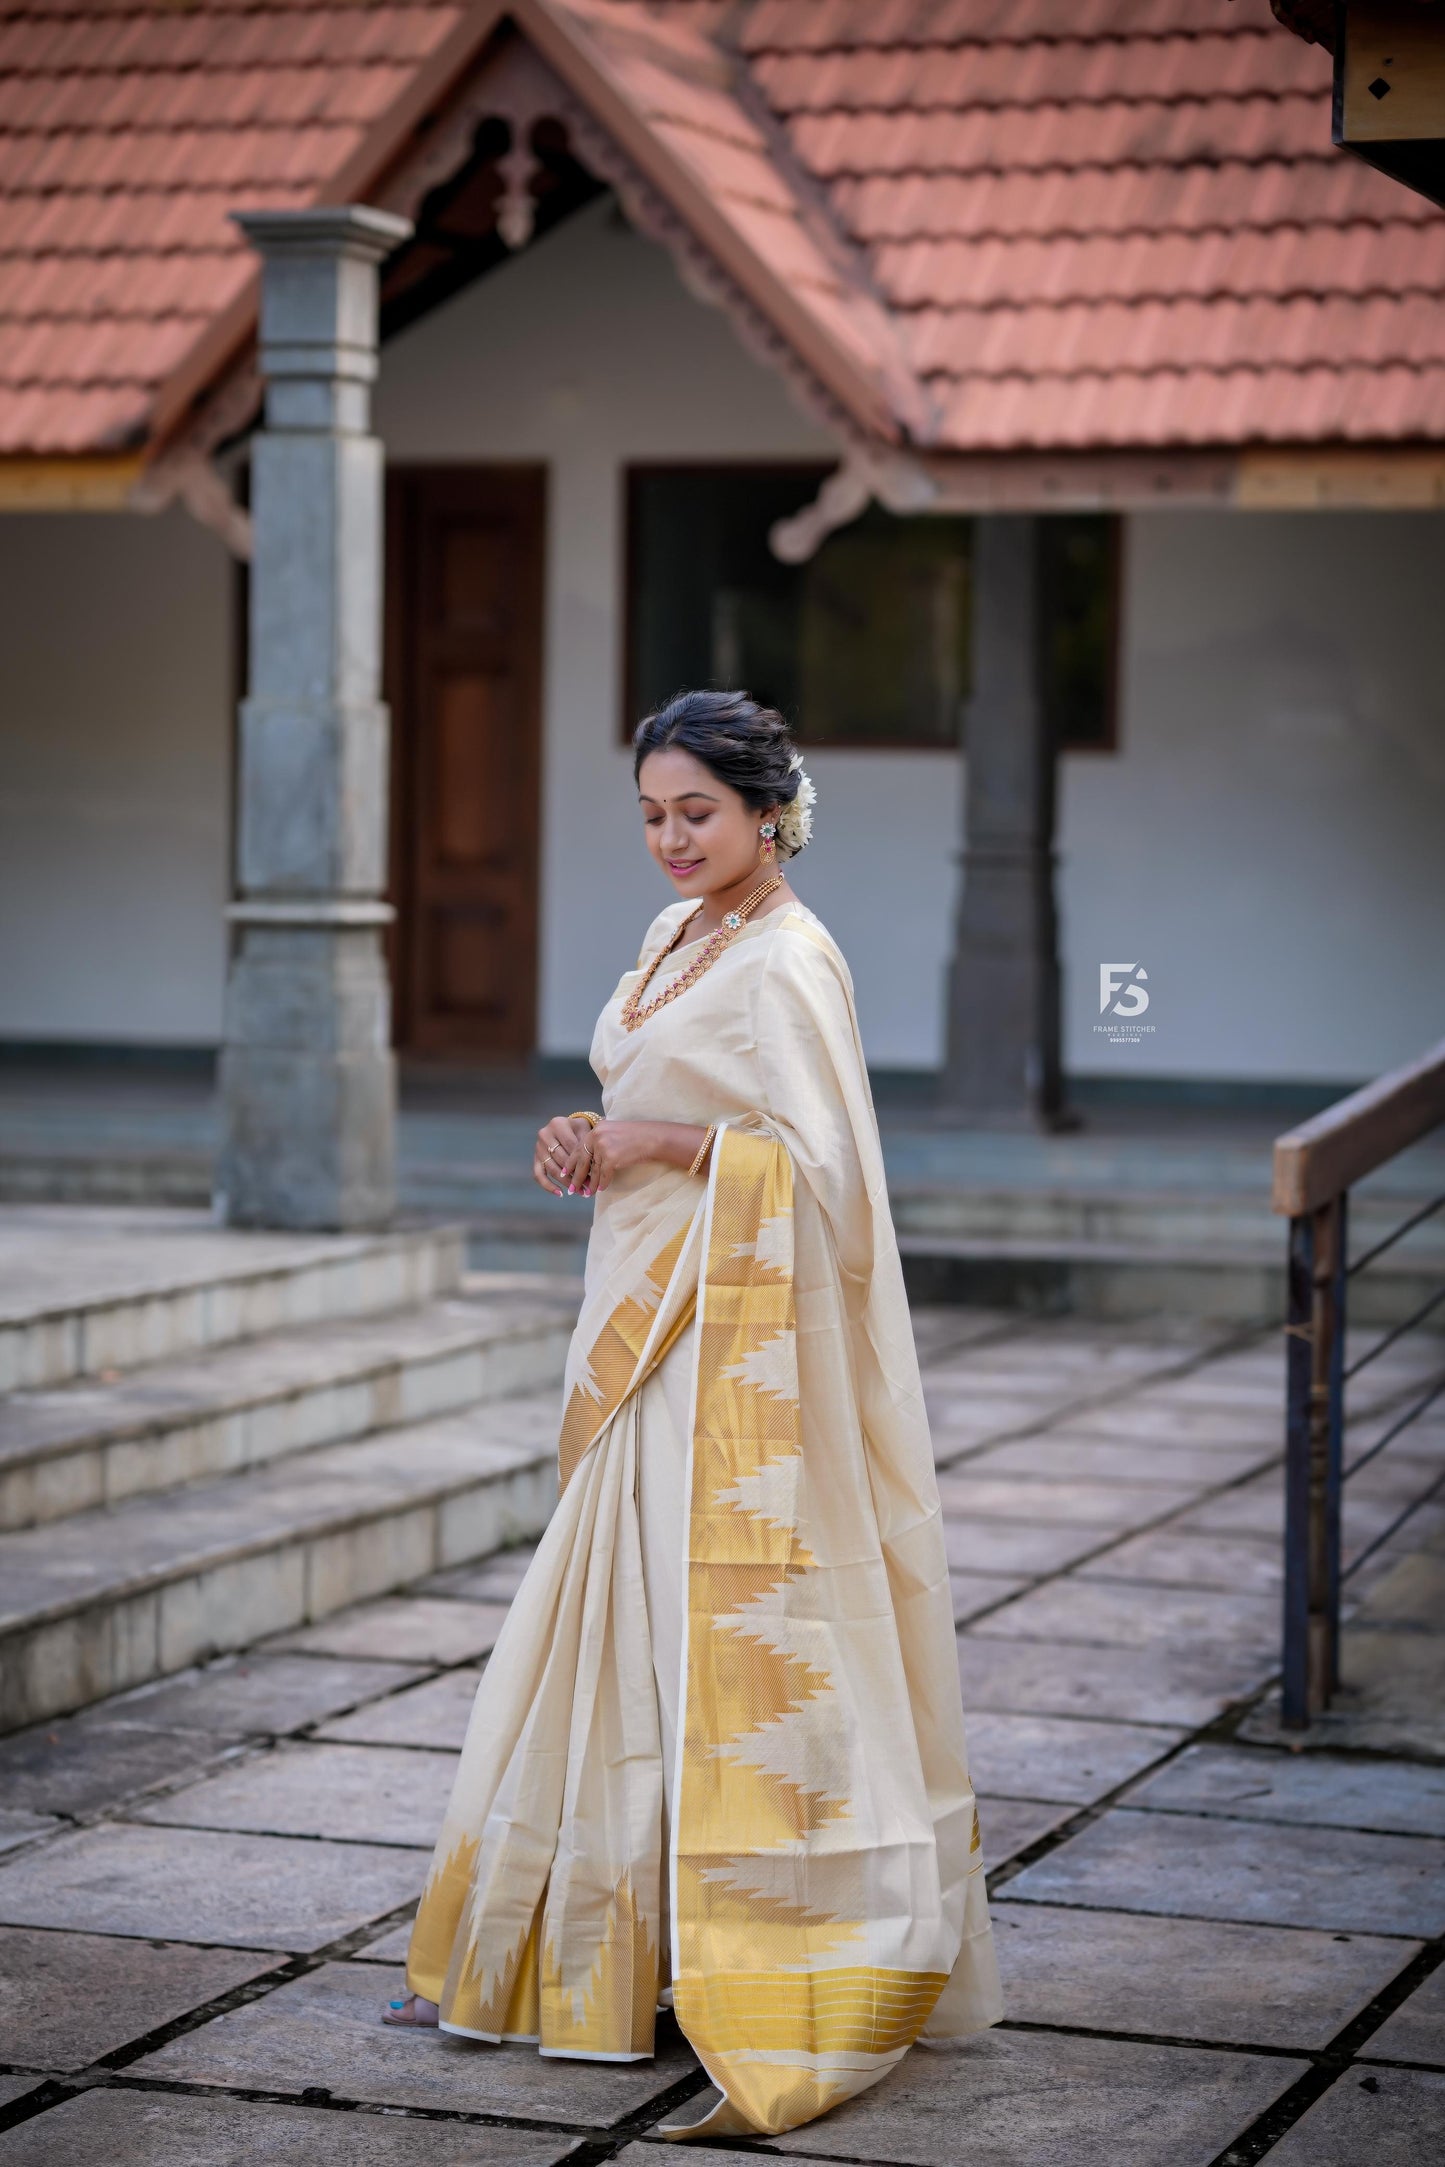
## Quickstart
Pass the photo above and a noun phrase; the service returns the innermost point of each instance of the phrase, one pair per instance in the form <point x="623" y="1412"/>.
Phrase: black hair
<point x="747" y="746"/>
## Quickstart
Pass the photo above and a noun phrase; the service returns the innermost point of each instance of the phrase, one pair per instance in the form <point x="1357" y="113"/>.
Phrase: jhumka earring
<point x="766" y="833"/>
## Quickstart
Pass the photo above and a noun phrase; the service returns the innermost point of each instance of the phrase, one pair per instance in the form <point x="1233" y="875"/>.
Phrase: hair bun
<point x="747" y="746"/>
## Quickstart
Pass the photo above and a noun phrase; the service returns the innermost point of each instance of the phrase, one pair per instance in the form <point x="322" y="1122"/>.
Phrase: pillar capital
<point x="318" y="310"/>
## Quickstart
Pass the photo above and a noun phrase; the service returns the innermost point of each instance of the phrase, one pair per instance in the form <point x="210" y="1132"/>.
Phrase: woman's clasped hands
<point x="577" y="1158"/>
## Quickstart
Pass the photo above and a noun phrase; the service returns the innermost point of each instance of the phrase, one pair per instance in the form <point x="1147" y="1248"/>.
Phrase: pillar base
<point x="307" y="1082"/>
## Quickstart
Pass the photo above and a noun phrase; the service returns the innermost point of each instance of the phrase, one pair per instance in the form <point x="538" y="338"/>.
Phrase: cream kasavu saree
<point x="718" y="1755"/>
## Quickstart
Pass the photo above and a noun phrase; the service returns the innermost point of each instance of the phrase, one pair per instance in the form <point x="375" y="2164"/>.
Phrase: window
<point x="867" y="644"/>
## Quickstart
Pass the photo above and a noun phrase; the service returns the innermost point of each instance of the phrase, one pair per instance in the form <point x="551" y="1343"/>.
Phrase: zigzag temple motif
<point x="614" y="1354"/>
<point x="773" y="1981"/>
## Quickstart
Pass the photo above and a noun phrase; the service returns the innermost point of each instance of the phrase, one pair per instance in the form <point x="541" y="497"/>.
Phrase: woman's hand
<point x="561" y="1158"/>
<point x="573" y="1159"/>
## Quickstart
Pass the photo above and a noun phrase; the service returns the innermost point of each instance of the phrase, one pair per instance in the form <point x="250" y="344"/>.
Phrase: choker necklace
<point x="633" y="1012"/>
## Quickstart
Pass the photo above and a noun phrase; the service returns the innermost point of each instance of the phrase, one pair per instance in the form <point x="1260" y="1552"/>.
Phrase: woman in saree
<point x="717" y="1761"/>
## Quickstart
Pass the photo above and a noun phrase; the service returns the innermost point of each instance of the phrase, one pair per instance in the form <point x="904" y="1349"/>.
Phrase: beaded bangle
<point x="582" y="1114"/>
<point x="703" y="1148"/>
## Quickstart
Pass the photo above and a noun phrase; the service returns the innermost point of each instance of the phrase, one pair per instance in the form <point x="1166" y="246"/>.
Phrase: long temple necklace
<point x="633" y="1012"/>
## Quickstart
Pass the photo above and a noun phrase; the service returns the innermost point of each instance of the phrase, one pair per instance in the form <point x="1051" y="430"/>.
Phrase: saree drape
<point x="718" y="1755"/>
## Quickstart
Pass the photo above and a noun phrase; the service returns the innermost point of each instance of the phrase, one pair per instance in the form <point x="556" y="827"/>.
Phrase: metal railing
<point x="1315" y="1167"/>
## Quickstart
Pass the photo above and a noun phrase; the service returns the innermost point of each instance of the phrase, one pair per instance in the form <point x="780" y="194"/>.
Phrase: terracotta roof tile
<point x="1079" y="222"/>
<point x="1113" y="132"/>
<point x="1068" y="70"/>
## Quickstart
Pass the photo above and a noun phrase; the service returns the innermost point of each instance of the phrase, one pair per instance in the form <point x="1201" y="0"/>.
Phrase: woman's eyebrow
<point x="644" y="799"/>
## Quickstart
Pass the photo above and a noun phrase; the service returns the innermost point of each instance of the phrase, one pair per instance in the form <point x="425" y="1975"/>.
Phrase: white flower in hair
<point x="795" y="821"/>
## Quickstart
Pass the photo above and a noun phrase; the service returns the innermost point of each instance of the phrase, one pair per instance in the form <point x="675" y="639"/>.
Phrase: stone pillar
<point x="307" y="1077"/>
<point x="1002" y="1063"/>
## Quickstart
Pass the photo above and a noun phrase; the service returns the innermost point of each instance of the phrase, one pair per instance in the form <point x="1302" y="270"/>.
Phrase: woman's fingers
<point x="542" y="1173"/>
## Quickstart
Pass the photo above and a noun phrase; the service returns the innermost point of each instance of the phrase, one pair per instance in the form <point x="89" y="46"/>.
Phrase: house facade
<point x="720" y="335"/>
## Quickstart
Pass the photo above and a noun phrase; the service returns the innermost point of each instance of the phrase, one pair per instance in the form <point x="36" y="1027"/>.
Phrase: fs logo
<point x="1134" y="998"/>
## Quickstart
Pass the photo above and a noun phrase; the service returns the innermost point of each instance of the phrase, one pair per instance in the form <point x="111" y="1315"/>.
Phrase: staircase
<point x="1216" y="1253"/>
<point x="208" y="1437"/>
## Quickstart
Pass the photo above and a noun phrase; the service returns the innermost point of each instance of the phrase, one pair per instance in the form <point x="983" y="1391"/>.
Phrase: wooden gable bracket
<point x="1389" y="106"/>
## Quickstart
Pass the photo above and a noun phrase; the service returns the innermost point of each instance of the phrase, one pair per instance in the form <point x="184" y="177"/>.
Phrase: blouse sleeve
<point x="815" y="1087"/>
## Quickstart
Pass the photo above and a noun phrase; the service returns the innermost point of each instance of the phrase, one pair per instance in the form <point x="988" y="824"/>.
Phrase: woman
<point x="717" y="1760"/>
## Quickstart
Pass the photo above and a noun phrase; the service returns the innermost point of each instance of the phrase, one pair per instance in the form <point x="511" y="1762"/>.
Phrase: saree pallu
<point x="718" y="1755"/>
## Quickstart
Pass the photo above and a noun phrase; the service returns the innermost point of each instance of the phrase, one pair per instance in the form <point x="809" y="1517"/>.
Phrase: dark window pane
<point x="883" y="633"/>
<point x="868" y="642"/>
<point x="1078" y="607"/>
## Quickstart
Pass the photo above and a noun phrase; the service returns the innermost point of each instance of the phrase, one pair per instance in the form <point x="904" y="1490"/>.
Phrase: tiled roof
<point x="1025" y="224"/>
<point x="128" y="133"/>
<point x="1114" y="222"/>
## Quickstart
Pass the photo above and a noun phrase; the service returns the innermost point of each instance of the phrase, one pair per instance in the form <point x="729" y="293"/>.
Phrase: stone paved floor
<point x="1216" y="1950"/>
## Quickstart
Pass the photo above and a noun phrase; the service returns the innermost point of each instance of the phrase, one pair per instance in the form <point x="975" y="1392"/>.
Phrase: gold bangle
<point x="702" y="1149"/>
<point x="583" y="1115"/>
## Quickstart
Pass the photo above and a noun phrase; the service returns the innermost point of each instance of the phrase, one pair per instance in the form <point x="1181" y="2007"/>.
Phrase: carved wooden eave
<point x="541" y="61"/>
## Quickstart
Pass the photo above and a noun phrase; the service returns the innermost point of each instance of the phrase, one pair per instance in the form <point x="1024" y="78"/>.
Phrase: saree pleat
<point x="717" y="1755"/>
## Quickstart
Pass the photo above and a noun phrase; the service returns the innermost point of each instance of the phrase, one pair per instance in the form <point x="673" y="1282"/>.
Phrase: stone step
<point x="71" y="1447"/>
<point x="116" y="1597"/>
<point x="1227" y="1283"/>
<point x="84" y="1292"/>
<point x="1178" y="1220"/>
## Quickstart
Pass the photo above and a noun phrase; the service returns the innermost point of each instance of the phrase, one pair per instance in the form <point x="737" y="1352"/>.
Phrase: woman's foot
<point x="415" y="2010"/>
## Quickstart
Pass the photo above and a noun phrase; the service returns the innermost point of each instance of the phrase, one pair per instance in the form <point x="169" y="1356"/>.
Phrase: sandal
<point x="415" y="2004"/>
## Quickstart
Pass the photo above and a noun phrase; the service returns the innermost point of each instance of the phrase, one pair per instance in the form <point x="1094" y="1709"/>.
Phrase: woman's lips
<point x="683" y="865"/>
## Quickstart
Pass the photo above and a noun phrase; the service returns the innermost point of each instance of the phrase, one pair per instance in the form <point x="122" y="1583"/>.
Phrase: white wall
<point x="115" y="691"/>
<point x="1267" y="840"/>
<point x="587" y="352"/>
<point x="1270" y="840"/>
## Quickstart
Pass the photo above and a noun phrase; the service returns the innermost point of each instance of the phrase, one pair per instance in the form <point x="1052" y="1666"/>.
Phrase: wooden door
<point x="464" y="676"/>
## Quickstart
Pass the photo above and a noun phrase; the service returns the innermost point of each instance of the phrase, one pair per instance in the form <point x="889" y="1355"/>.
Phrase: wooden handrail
<point x="1334" y="1149"/>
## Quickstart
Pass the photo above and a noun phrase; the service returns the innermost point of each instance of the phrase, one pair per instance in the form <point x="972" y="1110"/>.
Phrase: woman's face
<point x="701" y="832"/>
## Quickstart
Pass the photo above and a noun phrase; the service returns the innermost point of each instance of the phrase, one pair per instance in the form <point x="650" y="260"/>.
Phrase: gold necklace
<point x="633" y="1012"/>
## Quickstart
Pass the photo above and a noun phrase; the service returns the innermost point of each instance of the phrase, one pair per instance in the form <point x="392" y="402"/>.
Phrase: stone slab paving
<point x="434" y="1714"/>
<point x="1060" y="1757"/>
<point x="1068" y="1502"/>
<point x="1416" y="2031"/>
<point x="974" y="1593"/>
<point x="66" y="1999"/>
<point x="1050" y="2099"/>
<point x="495" y="1580"/>
<point x="1175" y="1427"/>
<point x="141" y="2129"/>
<point x="323" y="2029"/>
<point x="1245" y="1784"/>
<point x="1201" y="1979"/>
<point x="1177" y="1687"/>
<point x="351" y="1794"/>
<point x="1011" y="1825"/>
<point x="407" y="1629"/>
<point x="1195" y="1866"/>
<point x="79" y="1764"/>
<point x="1115" y="1614"/>
<point x="1017" y="1546"/>
<point x="1206" y="1922"/>
<point x="1060" y="1455"/>
<point x="390" y="1948"/>
<point x="263" y="1695"/>
<point x="245" y="1892"/>
<point x="19" y="1827"/>
<point x="16" y="2087"/>
<point x="1388" y="2118"/>
<point x="1172" y="1557"/>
